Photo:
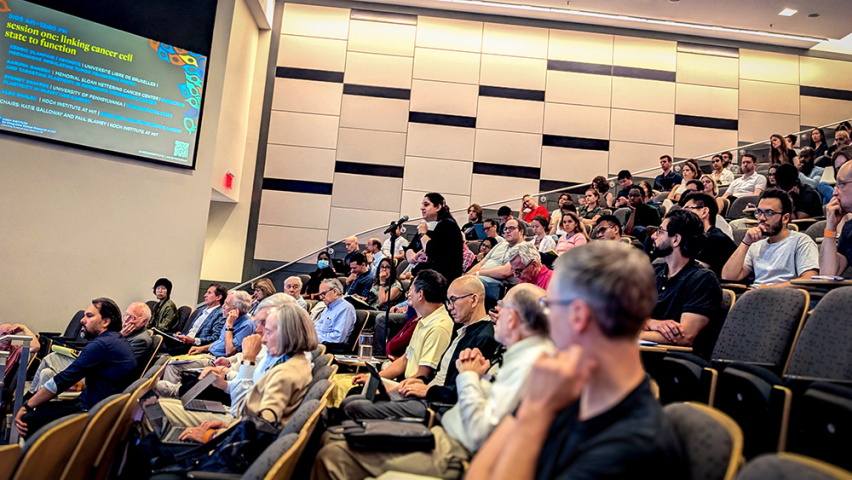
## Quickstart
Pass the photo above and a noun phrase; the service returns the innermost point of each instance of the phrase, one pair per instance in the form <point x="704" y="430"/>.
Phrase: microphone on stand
<point x="393" y="225"/>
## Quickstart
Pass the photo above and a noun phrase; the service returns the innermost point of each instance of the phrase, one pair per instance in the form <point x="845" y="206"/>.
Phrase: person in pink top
<point x="575" y="233"/>
<point x="531" y="208"/>
<point x="526" y="265"/>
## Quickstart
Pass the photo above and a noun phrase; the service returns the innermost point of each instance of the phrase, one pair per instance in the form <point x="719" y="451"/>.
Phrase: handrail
<point x="501" y="202"/>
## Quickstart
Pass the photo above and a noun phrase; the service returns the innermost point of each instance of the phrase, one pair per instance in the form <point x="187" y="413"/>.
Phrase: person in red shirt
<point x="531" y="208"/>
<point x="526" y="265"/>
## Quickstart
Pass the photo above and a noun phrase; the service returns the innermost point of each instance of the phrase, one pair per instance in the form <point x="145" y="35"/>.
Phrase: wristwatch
<point x="28" y="408"/>
<point x="229" y="329"/>
<point x="248" y="362"/>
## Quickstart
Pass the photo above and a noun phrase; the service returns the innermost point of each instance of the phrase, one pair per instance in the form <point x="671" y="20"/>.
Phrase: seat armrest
<point x="212" y="475"/>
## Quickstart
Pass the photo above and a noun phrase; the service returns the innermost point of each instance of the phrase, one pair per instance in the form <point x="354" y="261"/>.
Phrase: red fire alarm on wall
<point x="229" y="180"/>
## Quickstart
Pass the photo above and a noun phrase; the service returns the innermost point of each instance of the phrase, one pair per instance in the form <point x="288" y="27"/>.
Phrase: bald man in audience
<point x="588" y="411"/>
<point x="132" y="328"/>
<point x="351" y="245"/>
<point x="293" y="287"/>
<point x="836" y="254"/>
<point x="487" y="393"/>
<point x="466" y="304"/>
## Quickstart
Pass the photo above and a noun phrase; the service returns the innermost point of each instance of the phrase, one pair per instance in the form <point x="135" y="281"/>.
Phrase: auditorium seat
<point x="711" y="440"/>
<point x="789" y="466"/>
<point x="102" y="418"/>
<point x="54" y="441"/>
<point x="736" y="209"/>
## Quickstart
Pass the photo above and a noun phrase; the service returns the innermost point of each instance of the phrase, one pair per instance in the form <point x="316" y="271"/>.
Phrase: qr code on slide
<point x="181" y="149"/>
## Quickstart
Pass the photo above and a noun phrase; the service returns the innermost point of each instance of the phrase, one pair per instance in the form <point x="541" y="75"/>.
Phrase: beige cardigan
<point x="281" y="390"/>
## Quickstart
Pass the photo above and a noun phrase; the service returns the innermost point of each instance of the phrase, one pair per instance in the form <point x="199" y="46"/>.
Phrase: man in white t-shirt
<point x="750" y="183"/>
<point x="775" y="254"/>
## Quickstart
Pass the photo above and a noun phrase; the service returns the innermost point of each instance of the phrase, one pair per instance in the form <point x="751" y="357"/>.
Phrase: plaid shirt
<point x="468" y="258"/>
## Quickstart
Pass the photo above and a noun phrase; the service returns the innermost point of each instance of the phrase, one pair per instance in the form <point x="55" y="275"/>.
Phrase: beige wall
<point x="75" y="224"/>
<point x="349" y="145"/>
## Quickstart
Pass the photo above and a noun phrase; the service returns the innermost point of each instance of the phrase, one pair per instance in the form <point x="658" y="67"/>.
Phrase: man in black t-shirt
<point x="588" y="411"/>
<point x="719" y="247"/>
<point x="689" y="295"/>
<point x="641" y="214"/>
<point x="806" y="200"/>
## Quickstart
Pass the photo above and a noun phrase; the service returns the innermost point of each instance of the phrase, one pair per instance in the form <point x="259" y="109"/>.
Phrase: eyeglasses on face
<point x="519" y="271"/>
<point x="766" y="213"/>
<point x="509" y="229"/>
<point x="450" y="302"/>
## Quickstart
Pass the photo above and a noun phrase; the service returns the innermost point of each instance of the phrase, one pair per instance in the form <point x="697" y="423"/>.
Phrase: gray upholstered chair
<point x="788" y="466"/>
<point x="711" y="440"/>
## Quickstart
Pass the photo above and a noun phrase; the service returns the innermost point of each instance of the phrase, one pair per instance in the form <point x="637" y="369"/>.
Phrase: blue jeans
<point x="492" y="287"/>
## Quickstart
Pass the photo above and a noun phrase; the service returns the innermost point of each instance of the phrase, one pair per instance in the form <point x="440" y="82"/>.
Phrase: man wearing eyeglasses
<point x="719" y="246"/>
<point x="336" y="322"/>
<point x="526" y="265"/>
<point x="641" y="216"/>
<point x="466" y="304"/>
<point x="836" y="254"/>
<point x="588" y="411"/>
<point x="494" y="268"/>
<point x="775" y="254"/>
<point x="607" y="228"/>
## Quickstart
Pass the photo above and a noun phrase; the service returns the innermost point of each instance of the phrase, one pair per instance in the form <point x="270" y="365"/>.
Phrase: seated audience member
<point x="351" y="246"/>
<point x="790" y="140"/>
<point x="625" y="180"/>
<point x="575" y="233"/>
<point x="206" y="323"/>
<point x="132" y="329"/>
<point x="567" y="207"/>
<point x="373" y="254"/>
<point x="542" y="241"/>
<point x="809" y="173"/>
<point x="360" y="278"/>
<point x="770" y="250"/>
<point x="712" y="190"/>
<point x="727" y="159"/>
<point x="261" y="289"/>
<point x="526" y="265"/>
<point x="688" y="294"/>
<point x="779" y="153"/>
<point x="818" y="144"/>
<point x="324" y="270"/>
<point x="482" y="402"/>
<point x="600" y="184"/>
<point x="494" y="268"/>
<point x="719" y="247"/>
<point x="806" y="200"/>
<point x="641" y="216"/>
<point x="466" y="304"/>
<point x="491" y="228"/>
<point x="432" y="330"/>
<point x="841" y="139"/>
<point x="650" y="196"/>
<point x="836" y="254"/>
<point x="505" y="214"/>
<point x="485" y="247"/>
<point x="292" y="287"/>
<point x="163" y="313"/>
<point x="398" y="245"/>
<point x="838" y="159"/>
<point x="383" y="290"/>
<point x="770" y="177"/>
<point x="280" y="385"/>
<point x="667" y="180"/>
<point x="751" y="183"/>
<point x="106" y="363"/>
<point x="474" y="216"/>
<point x="721" y="175"/>
<point x="607" y="228"/>
<point x="530" y="208"/>
<point x="591" y="211"/>
<point x="15" y="350"/>
<point x="690" y="171"/>
<point x="335" y="323"/>
<point x="588" y="411"/>
<point x="556" y="215"/>
<point x="238" y="325"/>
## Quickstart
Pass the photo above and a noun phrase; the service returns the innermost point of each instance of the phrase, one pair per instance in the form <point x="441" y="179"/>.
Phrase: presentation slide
<point x="70" y="80"/>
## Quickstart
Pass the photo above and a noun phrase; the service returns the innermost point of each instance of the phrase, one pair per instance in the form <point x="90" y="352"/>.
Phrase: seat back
<point x="728" y="299"/>
<point x="103" y="416"/>
<point x="621" y="214"/>
<point x="286" y="465"/>
<point x="317" y="390"/>
<point x="815" y="231"/>
<point x="321" y="361"/>
<point x="146" y="360"/>
<point x="74" y="326"/>
<point x="9" y="455"/>
<point x="789" y="466"/>
<point x="45" y="454"/>
<point x="736" y="209"/>
<point x="762" y="327"/>
<point x="282" y="447"/>
<point x="362" y="317"/>
<point x="300" y="416"/>
<point x="158" y="366"/>
<point x="711" y="440"/>
<point x="305" y="278"/>
<point x="726" y="205"/>
<point x="821" y="423"/>
<point x="820" y="352"/>
<point x="183" y="314"/>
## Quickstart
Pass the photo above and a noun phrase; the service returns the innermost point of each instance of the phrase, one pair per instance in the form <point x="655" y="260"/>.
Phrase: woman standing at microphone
<point x="442" y="244"/>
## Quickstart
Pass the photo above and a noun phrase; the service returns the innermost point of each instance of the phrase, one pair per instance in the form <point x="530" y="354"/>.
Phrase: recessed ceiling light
<point x="787" y="12"/>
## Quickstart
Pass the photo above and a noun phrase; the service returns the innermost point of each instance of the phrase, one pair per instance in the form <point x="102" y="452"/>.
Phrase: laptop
<point x="376" y="383"/>
<point x="165" y="431"/>
<point x="196" y="405"/>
